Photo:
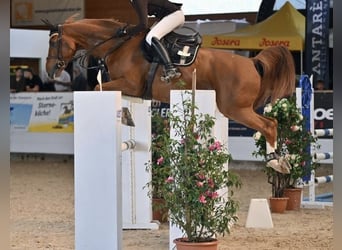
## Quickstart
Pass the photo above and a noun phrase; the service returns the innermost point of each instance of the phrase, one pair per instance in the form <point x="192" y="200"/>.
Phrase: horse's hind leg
<point x="128" y="88"/>
<point x="268" y="127"/>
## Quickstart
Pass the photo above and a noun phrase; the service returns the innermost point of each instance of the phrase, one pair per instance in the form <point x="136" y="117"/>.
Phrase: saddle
<point x="182" y="45"/>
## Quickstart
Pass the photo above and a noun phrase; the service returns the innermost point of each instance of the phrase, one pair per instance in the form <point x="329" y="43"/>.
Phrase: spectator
<point x="62" y="81"/>
<point x="79" y="82"/>
<point x="33" y="82"/>
<point x="17" y="83"/>
<point x="320" y="85"/>
<point x="48" y="83"/>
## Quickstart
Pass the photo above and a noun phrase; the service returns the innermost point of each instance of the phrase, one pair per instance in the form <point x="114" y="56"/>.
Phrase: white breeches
<point x="166" y="25"/>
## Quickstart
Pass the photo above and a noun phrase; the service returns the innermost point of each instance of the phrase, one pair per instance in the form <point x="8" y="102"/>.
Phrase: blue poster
<point x="20" y="115"/>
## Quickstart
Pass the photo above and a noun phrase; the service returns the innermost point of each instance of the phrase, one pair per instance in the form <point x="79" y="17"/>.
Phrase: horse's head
<point x="61" y="51"/>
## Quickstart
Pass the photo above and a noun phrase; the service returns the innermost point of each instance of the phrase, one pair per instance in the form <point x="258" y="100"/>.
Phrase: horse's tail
<point x="278" y="76"/>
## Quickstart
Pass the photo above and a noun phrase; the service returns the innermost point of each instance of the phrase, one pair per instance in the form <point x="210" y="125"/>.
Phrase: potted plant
<point x="293" y="144"/>
<point x="196" y="189"/>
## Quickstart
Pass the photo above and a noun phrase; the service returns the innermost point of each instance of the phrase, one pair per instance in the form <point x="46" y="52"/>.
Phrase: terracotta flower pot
<point x="295" y="196"/>
<point x="182" y="244"/>
<point x="159" y="212"/>
<point x="278" y="204"/>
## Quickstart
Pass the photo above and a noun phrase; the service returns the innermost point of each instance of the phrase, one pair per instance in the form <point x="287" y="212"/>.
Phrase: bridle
<point x="60" y="63"/>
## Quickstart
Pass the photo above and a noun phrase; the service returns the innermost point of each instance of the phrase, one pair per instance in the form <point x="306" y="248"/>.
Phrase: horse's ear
<point x="72" y="18"/>
<point x="47" y="23"/>
<point x="53" y="28"/>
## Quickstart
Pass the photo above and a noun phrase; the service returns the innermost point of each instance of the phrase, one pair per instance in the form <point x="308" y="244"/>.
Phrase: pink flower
<point x="218" y="145"/>
<point x="202" y="199"/>
<point x="160" y="160"/>
<point x="211" y="183"/>
<point x="170" y="179"/>
<point x="215" y="146"/>
<point x="287" y="141"/>
<point x="212" y="147"/>
<point x="199" y="184"/>
<point x="214" y="195"/>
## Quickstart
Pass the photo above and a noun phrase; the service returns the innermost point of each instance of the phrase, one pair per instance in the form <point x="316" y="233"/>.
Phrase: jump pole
<point x="206" y="102"/>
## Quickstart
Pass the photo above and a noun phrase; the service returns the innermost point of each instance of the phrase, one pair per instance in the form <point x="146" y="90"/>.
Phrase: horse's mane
<point x="103" y="22"/>
<point x="71" y="18"/>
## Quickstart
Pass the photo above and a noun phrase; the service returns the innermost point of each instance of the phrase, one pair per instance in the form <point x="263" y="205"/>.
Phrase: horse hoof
<point x="283" y="162"/>
<point x="278" y="166"/>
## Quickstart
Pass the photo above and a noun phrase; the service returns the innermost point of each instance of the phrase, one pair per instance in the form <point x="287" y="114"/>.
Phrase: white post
<point x="98" y="188"/>
<point x="311" y="202"/>
<point x="206" y="102"/>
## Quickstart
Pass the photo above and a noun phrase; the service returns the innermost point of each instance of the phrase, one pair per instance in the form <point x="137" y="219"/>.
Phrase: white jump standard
<point x="109" y="170"/>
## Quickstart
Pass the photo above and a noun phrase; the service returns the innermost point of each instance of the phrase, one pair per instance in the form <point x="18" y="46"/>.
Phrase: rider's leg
<point x="163" y="27"/>
<point x="170" y="71"/>
<point x="166" y="25"/>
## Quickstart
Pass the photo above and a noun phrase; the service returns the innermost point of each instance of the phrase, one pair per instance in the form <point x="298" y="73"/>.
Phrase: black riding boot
<point x="170" y="71"/>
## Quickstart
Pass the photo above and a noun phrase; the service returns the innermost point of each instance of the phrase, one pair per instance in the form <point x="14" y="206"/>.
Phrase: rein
<point x="118" y="45"/>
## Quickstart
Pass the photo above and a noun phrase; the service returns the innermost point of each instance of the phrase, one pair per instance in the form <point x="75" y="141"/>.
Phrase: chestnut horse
<point x="240" y="87"/>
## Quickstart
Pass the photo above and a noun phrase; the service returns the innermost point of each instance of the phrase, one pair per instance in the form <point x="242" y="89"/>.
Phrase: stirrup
<point x="170" y="74"/>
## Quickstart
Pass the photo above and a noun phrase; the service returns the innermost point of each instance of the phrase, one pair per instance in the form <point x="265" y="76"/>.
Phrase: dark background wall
<point x="123" y="11"/>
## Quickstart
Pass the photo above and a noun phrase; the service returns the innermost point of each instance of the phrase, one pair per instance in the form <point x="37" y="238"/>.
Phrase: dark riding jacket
<point x="158" y="8"/>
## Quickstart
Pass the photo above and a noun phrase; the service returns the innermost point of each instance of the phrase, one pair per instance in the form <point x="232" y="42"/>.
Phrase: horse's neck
<point x="87" y="36"/>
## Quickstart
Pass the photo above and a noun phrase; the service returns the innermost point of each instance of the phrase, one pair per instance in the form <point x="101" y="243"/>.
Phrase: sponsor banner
<point x="324" y="111"/>
<point x="160" y="108"/>
<point x="317" y="40"/>
<point x="30" y="12"/>
<point x="42" y="112"/>
<point x="237" y="129"/>
<point x="53" y="113"/>
<point x="257" y="42"/>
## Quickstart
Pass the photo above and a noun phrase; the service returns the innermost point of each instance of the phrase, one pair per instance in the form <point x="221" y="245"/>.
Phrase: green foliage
<point x="196" y="187"/>
<point x="160" y="172"/>
<point x="293" y="142"/>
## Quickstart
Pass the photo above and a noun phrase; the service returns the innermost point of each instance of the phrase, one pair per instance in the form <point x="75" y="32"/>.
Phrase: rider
<point x="170" y="16"/>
